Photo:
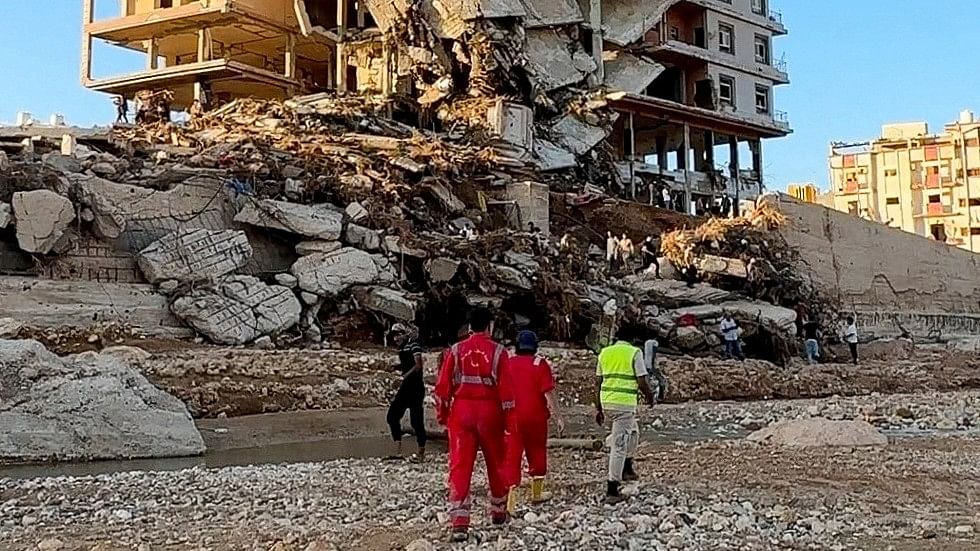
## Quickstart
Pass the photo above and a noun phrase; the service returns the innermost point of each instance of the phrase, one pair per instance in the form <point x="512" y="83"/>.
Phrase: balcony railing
<point x="780" y="116"/>
<point x="935" y="209"/>
<point x="781" y="65"/>
<point x="775" y="16"/>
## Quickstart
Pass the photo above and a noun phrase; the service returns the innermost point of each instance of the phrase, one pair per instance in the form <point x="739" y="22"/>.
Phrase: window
<point x="973" y="172"/>
<point x="891" y="201"/>
<point x="932" y="170"/>
<point x="852" y="207"/>
<point x="759" y="7"/>
<point x="975" y="202"/>
<point x="726" y="90"/>
<point x="726" y="38"/>
<point x="674" y="33"/>
<point x="891" y="172"/>
<point x="762" y="99"/>
<point x="165" y="4"/>
<point x="938" y="232"/>
<point x="762" y="49"/>
<point x="974" y="231"/>
<point x="935" y="199"/>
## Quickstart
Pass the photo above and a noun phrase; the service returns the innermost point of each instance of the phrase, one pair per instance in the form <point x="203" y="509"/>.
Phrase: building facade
<point x="926" y="184"/>
<point x="713" y="93"/>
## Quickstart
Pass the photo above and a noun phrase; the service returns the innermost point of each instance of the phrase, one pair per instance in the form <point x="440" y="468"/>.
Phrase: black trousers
<point x="411" y="398"/>
<point x="854" y="351"/>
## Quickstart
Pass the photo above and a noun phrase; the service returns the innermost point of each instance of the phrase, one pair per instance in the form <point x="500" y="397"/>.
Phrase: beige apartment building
<point x="927" y="184"/>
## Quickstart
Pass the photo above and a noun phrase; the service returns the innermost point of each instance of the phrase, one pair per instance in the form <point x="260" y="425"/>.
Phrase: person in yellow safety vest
<point x="621" y="377"/>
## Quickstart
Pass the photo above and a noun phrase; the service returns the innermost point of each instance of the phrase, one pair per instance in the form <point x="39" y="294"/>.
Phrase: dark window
<point x="759" y="7"/>
<point x="166" y="3"/>
<point x="762" y="49"/>
<point x="726" y="38"/>
<point x="891" y="201"/>
<point x="975" y="202"/>
<point x="974" y="231"/>
<point x="726" y="90"/>
<point x="762" y="99"/>
<point x="933" y="199"/>
<point x="938" y="232"/>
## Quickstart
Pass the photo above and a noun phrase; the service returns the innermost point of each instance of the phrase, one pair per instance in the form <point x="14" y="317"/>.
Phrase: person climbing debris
<point x="650" y="251"/>
<point x="621" y="376"/>
<point x="475" y="401"/>
<point x="811" y="343"/>
<point x="411" y="392"/>
<point x="122" y="109"/>
<point x="534" y="405"/>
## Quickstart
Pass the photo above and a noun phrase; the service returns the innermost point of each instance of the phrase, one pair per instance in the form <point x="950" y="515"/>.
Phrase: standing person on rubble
<point x="411" y="392"/>
<point x="626" y="250"/>
<point x="811" y="343"/>
<point x="650" y="250"/>
<point x="612" y="248"/>
<point x="851" y="338"/>
<point x="475" y="401"/>
<point x="534" y="405"/>
<point x="621" y="375"/>
<point x="122" y="109"/>
<point x="729" y="333"/>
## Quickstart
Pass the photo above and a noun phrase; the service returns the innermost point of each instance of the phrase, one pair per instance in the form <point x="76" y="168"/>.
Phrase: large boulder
<point x="333" y="273"/>
<point x="391" y="302"/>
<point x="195" y="255"/>
<point x="669" y="293"/>
<point x="238" y="309"/>
<point x="42" y="218"/>
<point x="316" y="221"/>
<point x="92" y="406"/>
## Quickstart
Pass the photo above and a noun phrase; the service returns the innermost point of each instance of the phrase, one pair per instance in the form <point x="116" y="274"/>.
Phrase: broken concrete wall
<point x="557" y="59"/>
<point x="82" y="303"/>
<point x="195" y="255"/>
<point x="626" y="21"/>
<point x="882" y="273"/>
<point x="629" y="73"/>
<point x="533" y="203"/>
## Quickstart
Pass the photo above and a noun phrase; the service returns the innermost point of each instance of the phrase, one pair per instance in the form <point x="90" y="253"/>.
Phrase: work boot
<point x="613" y="496"/>
<point x="459" y="534"/>
<point x="629" y="475"/>
<point x="512" y="498"/>
<point x="538" y="494"/>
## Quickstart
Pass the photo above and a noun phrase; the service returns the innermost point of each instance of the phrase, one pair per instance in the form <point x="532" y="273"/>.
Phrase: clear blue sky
<point x="854" y="64"/>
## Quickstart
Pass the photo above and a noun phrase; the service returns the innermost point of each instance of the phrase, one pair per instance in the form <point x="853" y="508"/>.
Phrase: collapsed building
<point x="681" y="80"/>
<point x="415" y="183"/>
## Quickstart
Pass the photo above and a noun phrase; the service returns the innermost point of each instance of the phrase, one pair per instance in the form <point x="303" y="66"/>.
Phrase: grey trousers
<point x="623" y="440"/>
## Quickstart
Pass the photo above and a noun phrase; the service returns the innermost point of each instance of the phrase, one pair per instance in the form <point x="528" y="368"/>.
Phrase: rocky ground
<point x="216" y="381"/>
<point x="735" y="495"/>
<point x="728" y="493"/>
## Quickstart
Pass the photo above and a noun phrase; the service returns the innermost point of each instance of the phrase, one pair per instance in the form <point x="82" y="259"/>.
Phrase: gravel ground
<point x="711" y="496"/>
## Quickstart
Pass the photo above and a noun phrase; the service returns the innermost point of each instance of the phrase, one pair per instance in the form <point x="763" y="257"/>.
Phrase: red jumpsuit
<point x="532" y="379"/>
<point x="473" y="399"/>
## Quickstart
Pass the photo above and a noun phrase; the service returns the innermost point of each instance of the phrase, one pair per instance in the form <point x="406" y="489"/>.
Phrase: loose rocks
<point x="820" y="432"/>
<point x="330" y="274"/>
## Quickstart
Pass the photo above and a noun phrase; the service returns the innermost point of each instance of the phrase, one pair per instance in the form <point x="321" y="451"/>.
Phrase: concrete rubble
<point x="92" y="406"/>
<point x="195" y="255"/>
<point x="313" y="221"/>
<point x="43" y="217"/>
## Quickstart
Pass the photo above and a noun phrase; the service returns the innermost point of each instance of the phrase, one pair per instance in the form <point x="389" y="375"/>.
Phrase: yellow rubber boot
<point x="512" y="498"/>
<point x="538" y="494"/>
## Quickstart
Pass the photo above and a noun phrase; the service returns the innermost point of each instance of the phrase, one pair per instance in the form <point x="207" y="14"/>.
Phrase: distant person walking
<point x="851" y="338"/>
<point x="122" y="109"/>
<point x="811" y="343"/>
<point x="411" y="392"/>
<point x="729" y="334"/>
<point x="612" y="248"/>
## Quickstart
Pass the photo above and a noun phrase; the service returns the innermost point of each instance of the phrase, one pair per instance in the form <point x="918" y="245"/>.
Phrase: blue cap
<point x="527" y="341"/>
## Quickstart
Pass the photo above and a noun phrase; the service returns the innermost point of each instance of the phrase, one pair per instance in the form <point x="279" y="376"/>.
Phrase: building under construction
<point x="692" y="80"/>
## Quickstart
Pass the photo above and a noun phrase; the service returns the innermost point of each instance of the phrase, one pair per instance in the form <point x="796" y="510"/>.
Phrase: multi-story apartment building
<point x="689" y="77"/>
<point x="715" y="90"/>
<point x="927" y="184"/>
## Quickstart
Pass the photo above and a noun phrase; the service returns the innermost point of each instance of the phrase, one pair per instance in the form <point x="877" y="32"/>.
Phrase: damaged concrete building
<point x="684" y="79"/>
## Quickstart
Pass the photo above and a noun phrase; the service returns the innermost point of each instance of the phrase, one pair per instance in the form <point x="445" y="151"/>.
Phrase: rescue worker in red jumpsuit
<point x="474" y="400"/>
<point x="534" y="405"/>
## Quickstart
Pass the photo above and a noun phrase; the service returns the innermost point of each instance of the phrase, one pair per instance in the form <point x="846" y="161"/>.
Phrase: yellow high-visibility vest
<point x="619" y="387"/>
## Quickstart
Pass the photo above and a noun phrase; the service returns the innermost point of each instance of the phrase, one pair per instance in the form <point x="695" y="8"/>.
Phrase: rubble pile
<point x="745" y="254"/>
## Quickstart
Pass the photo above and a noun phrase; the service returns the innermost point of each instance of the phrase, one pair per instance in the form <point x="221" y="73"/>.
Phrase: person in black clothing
<point x="650" y="250"/>
<point x="411" y="392"/>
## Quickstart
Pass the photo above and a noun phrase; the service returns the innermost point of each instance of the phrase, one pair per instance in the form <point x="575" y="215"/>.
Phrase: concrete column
<point x="203" y="45"/>
<point x="632" y="144"/>
<point x="756" y="147"/>
<point x="733" y="168"/>
<point x="595" y="22"/>
<point x="88" y="17"/>
<point x="386" y="70"/>
<point x="290" y="56"/>
<point x="661" y="143"/>
<point x="709" y="158"/>
<point x="341" y="66"/>
<point x="686" y="149"/>
<point x="152" y="53"/>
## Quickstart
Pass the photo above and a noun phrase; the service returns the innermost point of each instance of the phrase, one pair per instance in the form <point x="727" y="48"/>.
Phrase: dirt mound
<point x="818" y="433"/>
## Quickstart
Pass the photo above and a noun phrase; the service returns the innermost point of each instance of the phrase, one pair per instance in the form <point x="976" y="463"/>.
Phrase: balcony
<point x="934" y="181"/>
<point x="852" y="187"/>
<point x="935" y="210"/>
